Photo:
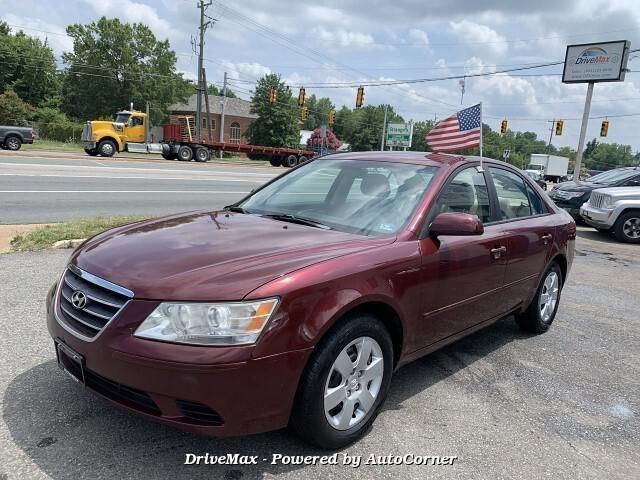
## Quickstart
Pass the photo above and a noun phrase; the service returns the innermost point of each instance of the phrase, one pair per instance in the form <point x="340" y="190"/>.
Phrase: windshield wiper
<point x="235" y="209"/>
<point x="295" y="219"/>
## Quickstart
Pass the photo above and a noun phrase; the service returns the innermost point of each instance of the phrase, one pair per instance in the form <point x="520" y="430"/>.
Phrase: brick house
<point x="237" y="117"/>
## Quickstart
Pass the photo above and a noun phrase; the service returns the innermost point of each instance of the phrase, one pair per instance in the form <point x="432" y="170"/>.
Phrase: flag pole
<point x="481" y="137"/>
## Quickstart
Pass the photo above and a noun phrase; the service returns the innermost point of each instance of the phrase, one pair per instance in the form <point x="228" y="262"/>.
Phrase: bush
<point x="52" y="124"/>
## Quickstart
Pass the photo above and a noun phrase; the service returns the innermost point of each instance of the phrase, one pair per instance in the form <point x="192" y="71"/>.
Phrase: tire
<point x="201" y="154"/>
<point x="275" y="161"/>
<point x="543" y="186"/>
<point x="13" y="143"/>
<point x="3" y="146"/>
<point x="533" y="319"/>
<point x="303" y="159"/>
<point x="107" y="148"/>
<point x="290" y="161"/>
<point x="169" y="156"/>
<point x="309" y="420"/>
<point x="185" y="153"/>
<point x="627" y="227"/>
<point x="91" y="151"/>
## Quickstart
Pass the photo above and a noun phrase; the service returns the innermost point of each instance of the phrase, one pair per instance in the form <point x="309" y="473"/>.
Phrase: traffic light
<point x="604" y="129"/>
<point x="273" y="95"/>
<point x="332" y="117"/>
<point x="559" y="127"/>
<point x="304" y="113"/>
<point x="503" y="127"/>
<point x="301" y="95"/>
<point x="360" y="97"/>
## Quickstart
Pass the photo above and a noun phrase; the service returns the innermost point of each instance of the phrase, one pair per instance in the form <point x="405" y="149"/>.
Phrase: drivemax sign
<point x="596" y="62"/>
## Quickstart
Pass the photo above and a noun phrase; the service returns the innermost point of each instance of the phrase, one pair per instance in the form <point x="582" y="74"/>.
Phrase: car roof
<point x="426" y="158"/>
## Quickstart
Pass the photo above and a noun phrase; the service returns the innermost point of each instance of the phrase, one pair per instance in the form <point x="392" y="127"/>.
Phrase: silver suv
<point x="614" y="210"/>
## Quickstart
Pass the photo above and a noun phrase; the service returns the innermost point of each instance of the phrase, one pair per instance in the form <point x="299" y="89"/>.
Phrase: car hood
<point x="210" y="255"/>
<point x="578" y="186"/>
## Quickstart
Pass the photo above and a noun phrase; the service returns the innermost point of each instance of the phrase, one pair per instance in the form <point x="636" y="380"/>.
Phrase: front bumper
<point x="571" y="205"/>
<point x="596" y="218"/>
<point x="217" y="391"/>
<point x="88" y="145"/>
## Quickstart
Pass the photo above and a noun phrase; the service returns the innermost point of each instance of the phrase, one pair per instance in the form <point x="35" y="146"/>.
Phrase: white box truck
<point x="548" y="167"/>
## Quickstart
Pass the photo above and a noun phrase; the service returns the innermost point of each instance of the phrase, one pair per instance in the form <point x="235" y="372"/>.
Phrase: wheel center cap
<point x="353" y="383"/>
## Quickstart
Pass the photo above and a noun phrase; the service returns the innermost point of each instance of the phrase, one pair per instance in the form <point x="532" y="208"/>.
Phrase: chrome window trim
<point x="98" y="281"/>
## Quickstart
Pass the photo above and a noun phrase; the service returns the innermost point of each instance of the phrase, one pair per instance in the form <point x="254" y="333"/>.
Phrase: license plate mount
<point x="70" y="361"/>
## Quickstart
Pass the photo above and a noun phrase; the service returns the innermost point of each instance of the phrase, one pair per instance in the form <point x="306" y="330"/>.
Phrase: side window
<point x="537" y="207"/>
<point x="633" y="182"/>
<point x="512" y="194"/>
<point x="137" y="121"/>
<point x="467" y="193"/>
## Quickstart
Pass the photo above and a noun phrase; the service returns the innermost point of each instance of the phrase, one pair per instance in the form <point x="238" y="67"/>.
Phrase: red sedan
<point x="295" y="306"/>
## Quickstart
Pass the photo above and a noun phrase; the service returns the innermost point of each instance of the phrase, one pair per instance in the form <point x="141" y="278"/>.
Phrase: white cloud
<point x="344" y="38"/>
<point x="479" y="37"/>
<point x="55" y="35"/>
<point x="419" y="36"/>
<point x="130" y="11"/>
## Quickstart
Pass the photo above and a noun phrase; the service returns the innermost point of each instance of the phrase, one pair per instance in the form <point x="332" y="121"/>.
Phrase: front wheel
<point x="13" y="143"/>
<point x="107" y="148"/>
<point x="627" y="227"/>
<point x="344" y="384"/>
<point x="3" y="146"/>
<point x="539" y="316"/>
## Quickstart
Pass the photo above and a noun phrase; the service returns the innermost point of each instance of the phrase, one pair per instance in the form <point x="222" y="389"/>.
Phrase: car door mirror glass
<point x="456" y="223"/>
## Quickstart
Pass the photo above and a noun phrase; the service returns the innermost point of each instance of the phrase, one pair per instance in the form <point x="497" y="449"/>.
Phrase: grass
<point x="44" y="237"/>
<point x="53" y="145"/>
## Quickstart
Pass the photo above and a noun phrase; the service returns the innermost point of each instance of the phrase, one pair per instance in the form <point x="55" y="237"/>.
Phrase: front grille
<point x="194" y="412"/>
<point x="103" y="302"/>
<point x="120" y="393"/>
<point x="596" y="199"/>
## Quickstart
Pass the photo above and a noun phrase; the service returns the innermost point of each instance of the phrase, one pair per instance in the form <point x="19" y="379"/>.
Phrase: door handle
<point x="498" y="251"/>
<point x="546" y="238"/>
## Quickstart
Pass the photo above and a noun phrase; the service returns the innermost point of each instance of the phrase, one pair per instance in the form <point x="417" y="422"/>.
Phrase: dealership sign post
<point x="591" y="63"/>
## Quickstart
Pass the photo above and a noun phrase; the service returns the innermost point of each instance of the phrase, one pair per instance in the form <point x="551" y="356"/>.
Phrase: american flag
<point x="457" y="132"/>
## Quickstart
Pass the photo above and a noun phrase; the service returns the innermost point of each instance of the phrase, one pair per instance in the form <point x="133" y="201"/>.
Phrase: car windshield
<point x="355" y="196"/>
<point x="535" y="166"/>
<point x="613" y="176"/>
<point x="121" y="117"/>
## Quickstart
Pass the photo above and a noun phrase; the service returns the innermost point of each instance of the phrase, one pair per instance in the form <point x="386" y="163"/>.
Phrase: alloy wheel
<point x="549" y="296"/>
<point x="631" y="228"/>
<point x="353" y="384"/>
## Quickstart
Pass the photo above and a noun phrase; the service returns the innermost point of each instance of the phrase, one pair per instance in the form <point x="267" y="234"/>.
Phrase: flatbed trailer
<point x="178" y="146"/>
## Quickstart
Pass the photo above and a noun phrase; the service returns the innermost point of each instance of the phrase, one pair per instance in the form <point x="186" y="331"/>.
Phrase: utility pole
<point x="224" y="100"/>
<point x="384" y="127"/>
<point x="203" y="27"/>
<point x="553" y="124"/>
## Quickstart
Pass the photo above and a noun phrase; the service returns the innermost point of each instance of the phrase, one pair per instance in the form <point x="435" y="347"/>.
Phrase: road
<point x="51" y="189"/>
<point x="562" y="405"/>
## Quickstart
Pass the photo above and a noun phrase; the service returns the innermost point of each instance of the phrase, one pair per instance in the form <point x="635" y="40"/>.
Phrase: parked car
<point x="537" y="177"/>
<point x="615" y="210"/>
<point x="571" y="195"/>
<point x="12" y="138"/>
<point x="295" y="305"/>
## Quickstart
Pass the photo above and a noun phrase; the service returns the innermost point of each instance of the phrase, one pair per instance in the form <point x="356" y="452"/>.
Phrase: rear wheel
<point x="290" y="161"/>
<point x="627" y="227"/>
<point x="169" y="156"/>
<point x="13" y="143"/>
<point x="344" y="384"/>
<point x="202" y="154"/>
<point x="107" y="148"/>
<point x="275" y="161"/>
<point x="539" y="316"/>
<point x="303" y="159"/>
<point x="185" y="153"/>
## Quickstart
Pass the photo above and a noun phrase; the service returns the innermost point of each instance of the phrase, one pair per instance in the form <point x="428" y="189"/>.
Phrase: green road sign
<point x="399" y="135"/>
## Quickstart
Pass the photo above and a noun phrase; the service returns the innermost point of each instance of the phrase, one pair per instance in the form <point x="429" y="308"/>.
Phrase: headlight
<point x="607" y="202"/>
<point x="208" y="323"/>
<point x="568" y="195"/>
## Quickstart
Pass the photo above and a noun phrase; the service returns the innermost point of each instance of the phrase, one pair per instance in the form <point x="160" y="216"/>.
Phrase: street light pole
<point x="384" y="127"/>
<point x="583" y="131"/>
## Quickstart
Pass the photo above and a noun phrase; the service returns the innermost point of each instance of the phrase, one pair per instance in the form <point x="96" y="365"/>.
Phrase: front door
<point x="135" y="131"/>
<point x="463" y="276"/>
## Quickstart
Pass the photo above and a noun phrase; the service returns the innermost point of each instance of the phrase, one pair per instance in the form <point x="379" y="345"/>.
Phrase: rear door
<point x="529" y="231"/>
<point x="463" y="275"/>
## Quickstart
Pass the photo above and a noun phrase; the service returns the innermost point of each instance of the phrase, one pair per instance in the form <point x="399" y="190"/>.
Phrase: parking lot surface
<point x="565" y="404"/>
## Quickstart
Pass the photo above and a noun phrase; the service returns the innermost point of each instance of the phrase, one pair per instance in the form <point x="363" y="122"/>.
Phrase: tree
<point x="316" y="142"/>
<point x="213" y="90"/>
<point x="591" y="146"/>
<point x="277" y="123"/>
<point x="420" y="130"/>
<point x="13" y="111"/>
<point x="114" y="64"/>
<point x="362" y="128"/>
<point x="318" y="109"/>
<point x="28" y="66"/>
<point x="606" y="156"/>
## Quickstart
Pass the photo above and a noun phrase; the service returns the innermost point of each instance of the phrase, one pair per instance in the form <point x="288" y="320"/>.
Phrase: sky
<point x="358" y="41"/>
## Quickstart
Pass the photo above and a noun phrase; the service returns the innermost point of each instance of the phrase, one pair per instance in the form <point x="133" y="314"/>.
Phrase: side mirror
<point x="455" y="223"/>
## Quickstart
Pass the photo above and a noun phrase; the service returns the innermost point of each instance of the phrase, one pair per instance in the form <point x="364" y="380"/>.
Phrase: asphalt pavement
<point x="563" y="405"/>
<point x="56" y="188"/>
